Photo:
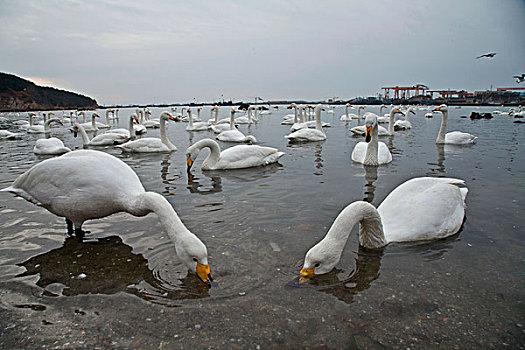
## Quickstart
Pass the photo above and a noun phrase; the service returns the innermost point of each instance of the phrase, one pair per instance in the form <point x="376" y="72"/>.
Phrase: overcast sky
<point x="138" y="51"/>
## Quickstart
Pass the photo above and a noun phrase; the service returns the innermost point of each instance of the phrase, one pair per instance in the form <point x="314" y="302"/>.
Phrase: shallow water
<point x="258" y="224"/>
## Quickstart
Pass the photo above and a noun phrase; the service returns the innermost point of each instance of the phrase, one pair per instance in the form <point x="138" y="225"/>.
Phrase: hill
<point x="17" y="94"/>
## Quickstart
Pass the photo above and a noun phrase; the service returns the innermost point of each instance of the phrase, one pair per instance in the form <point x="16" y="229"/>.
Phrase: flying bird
<point x="488" y="55"/>
<point x="519" y="78"/>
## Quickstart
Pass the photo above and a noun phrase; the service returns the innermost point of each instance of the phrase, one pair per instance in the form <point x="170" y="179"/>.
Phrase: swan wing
<point x="384" y="156"/>
<point x="459" y="138"/>
<point x="358" y="130"/>
<point x="422" y="209"/>
<point x="359" y="152"/>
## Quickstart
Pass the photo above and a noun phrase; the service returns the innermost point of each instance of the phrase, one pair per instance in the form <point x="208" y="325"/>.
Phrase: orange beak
<point x="306" y="274"/>
<point x="203" y="272"/>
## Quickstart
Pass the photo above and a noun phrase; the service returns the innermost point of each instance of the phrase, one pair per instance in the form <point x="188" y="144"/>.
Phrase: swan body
<point x="423" y="208"/>
<point x="454" y="137"/>
<point x="51" y="146"/>
<point x="151" y="144"/>
<point x="46" y="128"/>
<point x="307" y="134"/>
<point x="99" y="185"/>
<point x="236" y="157"/>
<point x="246" y="119"/>
<point x="358" y="115"/>
<point x="371" y="152"/>
<point x="130" y="132"/>
<point x="290" y="119"/>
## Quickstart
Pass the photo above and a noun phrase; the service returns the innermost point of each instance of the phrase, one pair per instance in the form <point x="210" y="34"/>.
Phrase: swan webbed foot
<point x="80" y="234"/>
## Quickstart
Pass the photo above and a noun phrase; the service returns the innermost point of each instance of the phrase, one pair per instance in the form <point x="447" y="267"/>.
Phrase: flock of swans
<point x="100" y="184"/>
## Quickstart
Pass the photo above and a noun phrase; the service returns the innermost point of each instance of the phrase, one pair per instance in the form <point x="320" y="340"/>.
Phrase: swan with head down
<point x="99" y="185"/>
<point x="423" y="208"/>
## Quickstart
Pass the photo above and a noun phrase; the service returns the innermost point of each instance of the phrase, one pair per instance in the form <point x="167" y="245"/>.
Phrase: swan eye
<point x="317" y="265"/>
<point x="195" y="259"/>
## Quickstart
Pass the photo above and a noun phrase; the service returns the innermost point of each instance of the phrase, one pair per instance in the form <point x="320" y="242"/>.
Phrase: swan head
<point x="95" y="115"/>
<point x="370" y="125"/>
<point x="193" y="253"/>
<point x="166" y="116"/>
<point x="320" y="259"/>
<point x="442" y="108"/>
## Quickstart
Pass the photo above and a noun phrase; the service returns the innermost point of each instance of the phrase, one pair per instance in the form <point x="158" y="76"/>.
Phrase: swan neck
<point x="154" y="202"/>
<point x="132" y="134"/>
<point x="318" y="125"/>
<point x="93" y="122"/>
<point x="443" y="128"/>
<point x="295" y="119"/>
<point x="83" y="134"/>
<point x="190" y="119"/>
<point x="232" y="120"/>
<point x="214" y="155"/>
<point x="163" y="137"/>
<point x="391" y="122"/>
<point x="372" y="149"/>
<point x="370" y="227"/>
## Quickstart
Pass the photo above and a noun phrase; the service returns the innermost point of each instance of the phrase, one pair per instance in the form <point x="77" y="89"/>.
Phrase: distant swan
<point x="151" y="144"/>
<point x="307" y="134"/>
<point x="234" y="135"/>
<point x="423" y="208"/>
<point x="381" y="131"/>
<point x="345" y="117"/>
<point x="8" y="135"/>
<point x="46" y="128"/>
<point x="236" y="157"/>
<point x="404" y="124"/>
<point x="454" y="137"/>
<point x="107" y="139"/>
<point x="196" y="126"/>
<point x="90" y="184"/>
<point x="371" y="152"/>
<point x="50" y="146"/>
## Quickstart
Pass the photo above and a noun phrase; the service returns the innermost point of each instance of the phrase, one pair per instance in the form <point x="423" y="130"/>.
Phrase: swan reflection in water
<point x="233" y="175"/>
<point x="345" y="284"/>
<point x="439" y="167"/>
<point x="370" y="177"/>
<point x="106" y="266"/>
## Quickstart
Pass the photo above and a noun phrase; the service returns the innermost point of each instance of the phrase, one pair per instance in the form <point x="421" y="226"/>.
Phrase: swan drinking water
<point x="99" y="185"/>
<point x="423" y="208"/>
<point x="236" y="157"/>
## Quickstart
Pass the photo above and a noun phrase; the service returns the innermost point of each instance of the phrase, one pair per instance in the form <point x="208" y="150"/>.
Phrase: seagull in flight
<point x="488" y="55"/>
<point x="519" y="78"/>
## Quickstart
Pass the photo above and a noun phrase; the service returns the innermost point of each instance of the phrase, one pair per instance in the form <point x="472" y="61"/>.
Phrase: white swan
<point x="383" y="118"/>
<point x="346" y="117"/>
<point x="381" y="131"/>
<point x="130" y="132"/>
<point x="99" y="185"/>
<point x="245" y="119"/>
<point x="454" y="137"/>
<point x="50" y="146"/>
<point x="290" y="119"/>
<point x="196" y="126"/>
<point x="300" y="123"/>
<point x="46" y="128"/>
<point x="234" y="135"/>
<point x="307" y="134"/>
<point x="152" y="144"/>
<point x="106" y="139"/>
<point x="358" y="115"/>
<point x="236" y="157"/>
<point x="8" y="135"/>
<point x="90" y="126"/>
<point x="371" y="152"/>
<point x="148" y="123"/>
<point x="404" y="124"/>
<point x="423" y="208"/>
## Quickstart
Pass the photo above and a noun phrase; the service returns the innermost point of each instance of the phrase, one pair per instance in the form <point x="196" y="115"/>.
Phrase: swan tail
<point x="464" y="192"/>
<point x="21" y="193"/>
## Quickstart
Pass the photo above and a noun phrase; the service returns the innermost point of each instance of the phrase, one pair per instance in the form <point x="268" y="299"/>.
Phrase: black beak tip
<point x="367" y="138"/>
